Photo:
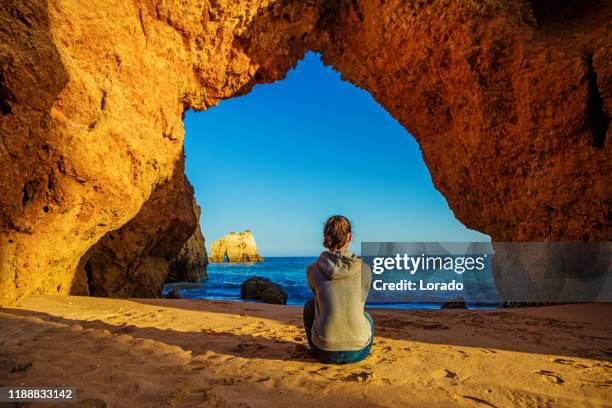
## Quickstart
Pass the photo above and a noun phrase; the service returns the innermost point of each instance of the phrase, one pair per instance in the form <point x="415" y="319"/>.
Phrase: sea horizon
<point x="289" y="272"/>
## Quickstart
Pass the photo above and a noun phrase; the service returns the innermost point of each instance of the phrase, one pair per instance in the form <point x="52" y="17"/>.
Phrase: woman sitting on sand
<point x="337" y="327"/>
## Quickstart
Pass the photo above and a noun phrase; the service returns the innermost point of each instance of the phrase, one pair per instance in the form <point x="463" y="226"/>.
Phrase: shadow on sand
<point x="584" y="333"/>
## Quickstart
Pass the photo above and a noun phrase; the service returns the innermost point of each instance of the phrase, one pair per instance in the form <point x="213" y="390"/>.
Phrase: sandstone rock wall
<point x="134" y="260"/>
<point x="510" y="104"/>
<point x="191" y="262"/>
<point x="511" y="109"/>
<point x="235" y="247"/>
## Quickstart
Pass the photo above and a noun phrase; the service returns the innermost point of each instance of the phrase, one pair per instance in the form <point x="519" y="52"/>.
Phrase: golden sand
<point x="187" y="353"/>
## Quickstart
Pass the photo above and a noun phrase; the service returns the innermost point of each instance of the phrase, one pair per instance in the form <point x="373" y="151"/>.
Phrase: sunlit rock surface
<point x="510" y="105"/>
<point x="235" y="247"/>
<point x="134" y="260"/>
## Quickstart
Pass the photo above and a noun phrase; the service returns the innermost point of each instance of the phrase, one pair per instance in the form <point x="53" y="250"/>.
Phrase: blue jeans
<point x="334" y="357"/>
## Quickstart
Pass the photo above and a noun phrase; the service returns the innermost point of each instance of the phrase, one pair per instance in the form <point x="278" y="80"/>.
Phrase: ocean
<point x="224" y="281"/>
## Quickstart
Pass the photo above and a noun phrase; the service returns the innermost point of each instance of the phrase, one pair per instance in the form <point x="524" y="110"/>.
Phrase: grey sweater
<point x="340" y="286"/>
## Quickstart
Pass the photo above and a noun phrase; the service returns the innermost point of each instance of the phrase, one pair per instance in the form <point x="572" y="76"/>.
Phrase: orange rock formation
<point x="509" y="100"/>
<point x="235" y="247"/>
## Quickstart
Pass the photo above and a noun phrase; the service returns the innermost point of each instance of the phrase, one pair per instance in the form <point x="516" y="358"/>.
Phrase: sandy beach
<point x="188" y="353"/>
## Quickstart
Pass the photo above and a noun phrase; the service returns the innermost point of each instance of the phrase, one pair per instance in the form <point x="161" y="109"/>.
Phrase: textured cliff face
<point x="235" y="247"/>
<point x="134" y="260"/>
<point x="511" y="108"/>
<point x="191" y="262"/>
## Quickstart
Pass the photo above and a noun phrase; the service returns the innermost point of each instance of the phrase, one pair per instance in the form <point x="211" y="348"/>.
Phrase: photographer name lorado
<point x="419" y="285"/>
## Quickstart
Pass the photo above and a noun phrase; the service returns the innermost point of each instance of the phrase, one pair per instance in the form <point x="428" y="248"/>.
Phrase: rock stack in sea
<point x="235" y="247"/>
<point x="263" y="290"/>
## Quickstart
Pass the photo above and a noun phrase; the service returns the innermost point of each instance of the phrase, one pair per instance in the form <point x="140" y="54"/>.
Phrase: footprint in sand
<point x="434" y="326"/>
<point x="21" y="368"/>
<point x="444" y="374"/>
<point x="360" y="377"/>
<point x="248" y="347"/>
<point x="299" y="351"/>
<point x="569" y="363"/>
<point x="394" y="323"/>
<point x="319" y="371"/>
<point x="479" y="400"/>
<point x="227" y="381"/>
<point x="382" y="360"/>
<point x="93" y="403"/>
<point x="386" y="349"/>
<point x="606" y="384"/>
<point x="550" y="376"/>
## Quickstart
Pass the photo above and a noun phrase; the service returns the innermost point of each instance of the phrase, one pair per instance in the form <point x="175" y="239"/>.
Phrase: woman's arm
<point x="309" y="278"/>
<point x="366" y="280"/>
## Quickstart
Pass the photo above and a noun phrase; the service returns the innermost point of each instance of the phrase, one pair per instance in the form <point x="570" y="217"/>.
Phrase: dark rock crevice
<point x="598" y="118"/>
<point x="5" y="97"/>
<point x="552" y="11"/>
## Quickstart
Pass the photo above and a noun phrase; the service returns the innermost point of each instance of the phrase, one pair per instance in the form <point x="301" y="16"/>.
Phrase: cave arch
<point x="92" y="105"/>
<point x="269" y="160"/>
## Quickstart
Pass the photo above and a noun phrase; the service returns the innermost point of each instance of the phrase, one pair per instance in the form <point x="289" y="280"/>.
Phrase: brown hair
<point x="336" y="232"/>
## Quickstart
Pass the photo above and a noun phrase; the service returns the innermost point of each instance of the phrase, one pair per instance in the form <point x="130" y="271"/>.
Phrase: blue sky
<point x="281" y="159"/>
